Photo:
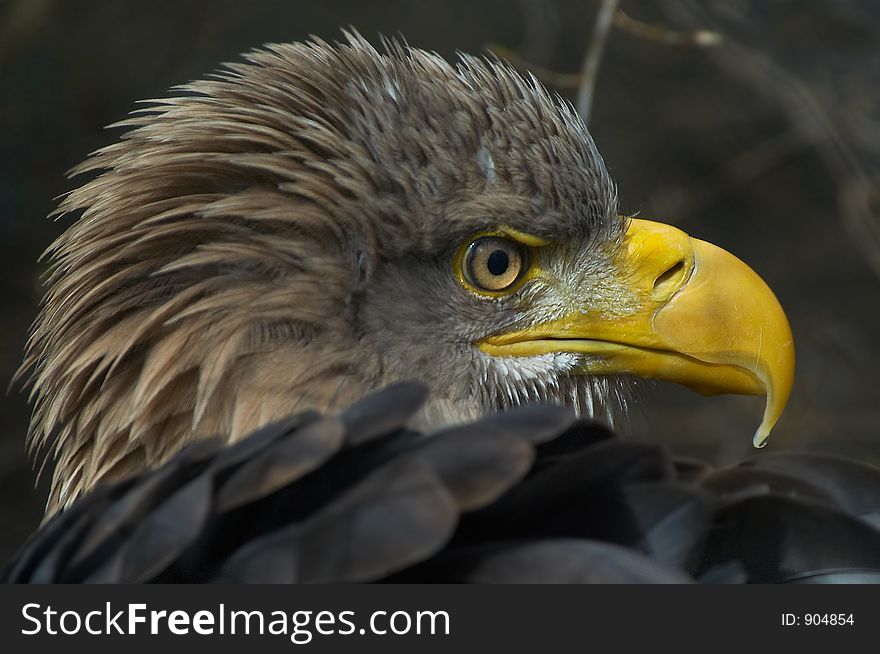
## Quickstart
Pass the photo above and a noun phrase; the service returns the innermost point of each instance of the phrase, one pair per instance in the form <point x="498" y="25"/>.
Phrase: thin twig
<point x="593" y="56"/>
<point x="658" y="34"/>
<point x="607" y="17"/>
<point x="554" y="78"/>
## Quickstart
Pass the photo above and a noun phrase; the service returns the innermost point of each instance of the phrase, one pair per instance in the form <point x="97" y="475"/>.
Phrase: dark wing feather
<point x="853" y="486"/>
<point x="778" y="539"/>
<point x="527" y="495"/>
<point x="57" y="541"/>
<point x="396" y="516"/>
<point x="383" y="412"/>
<point x="276" y="467"/>
<point x="161" y="538"/>
<point x="673" y="520"/>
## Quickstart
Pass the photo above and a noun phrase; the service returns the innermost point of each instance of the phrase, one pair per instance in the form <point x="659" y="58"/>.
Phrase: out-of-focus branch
<point x="663" y="36"/>
<point x="593" y="57"/>
<point x="608" y="16"/>
<point x="554" y="78"/>
<point x="818" y="122"/>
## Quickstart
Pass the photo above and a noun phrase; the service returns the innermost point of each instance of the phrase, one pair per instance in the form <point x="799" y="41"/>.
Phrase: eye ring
<point x="494" y="264"/>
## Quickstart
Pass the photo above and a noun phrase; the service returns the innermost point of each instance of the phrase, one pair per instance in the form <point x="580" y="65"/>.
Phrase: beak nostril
<point x="668" y="277"/>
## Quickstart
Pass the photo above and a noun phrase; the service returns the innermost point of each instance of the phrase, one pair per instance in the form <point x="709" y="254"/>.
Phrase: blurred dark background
<point x="767" y="143"/>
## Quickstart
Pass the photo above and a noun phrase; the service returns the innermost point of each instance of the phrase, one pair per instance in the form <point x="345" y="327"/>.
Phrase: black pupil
<point x="498" y="262"/>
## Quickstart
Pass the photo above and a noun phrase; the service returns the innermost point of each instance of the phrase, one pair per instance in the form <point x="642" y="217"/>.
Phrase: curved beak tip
<point x="726" y="316"/>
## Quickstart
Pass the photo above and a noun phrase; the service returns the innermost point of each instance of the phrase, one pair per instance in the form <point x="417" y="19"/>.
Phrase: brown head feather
<point x="217" y="277"/>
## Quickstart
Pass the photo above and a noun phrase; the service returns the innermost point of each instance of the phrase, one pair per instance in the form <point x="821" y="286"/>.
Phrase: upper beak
<point x="704" y="320"/>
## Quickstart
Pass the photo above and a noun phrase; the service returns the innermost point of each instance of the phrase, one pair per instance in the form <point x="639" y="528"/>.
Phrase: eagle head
<point x="323" y="220"/>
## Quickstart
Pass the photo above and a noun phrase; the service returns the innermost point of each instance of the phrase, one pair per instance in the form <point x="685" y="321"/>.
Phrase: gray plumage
<point x="278" y="237"/>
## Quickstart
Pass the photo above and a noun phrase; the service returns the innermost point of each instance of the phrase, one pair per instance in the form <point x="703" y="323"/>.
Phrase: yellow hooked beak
<point x="704" y="320"/>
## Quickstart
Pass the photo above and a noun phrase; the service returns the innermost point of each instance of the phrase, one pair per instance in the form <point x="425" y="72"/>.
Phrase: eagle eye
<point x="494" y="263"/>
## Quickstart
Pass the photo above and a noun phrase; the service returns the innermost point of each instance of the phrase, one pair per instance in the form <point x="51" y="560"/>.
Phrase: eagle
<point x="336" y="313"/>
